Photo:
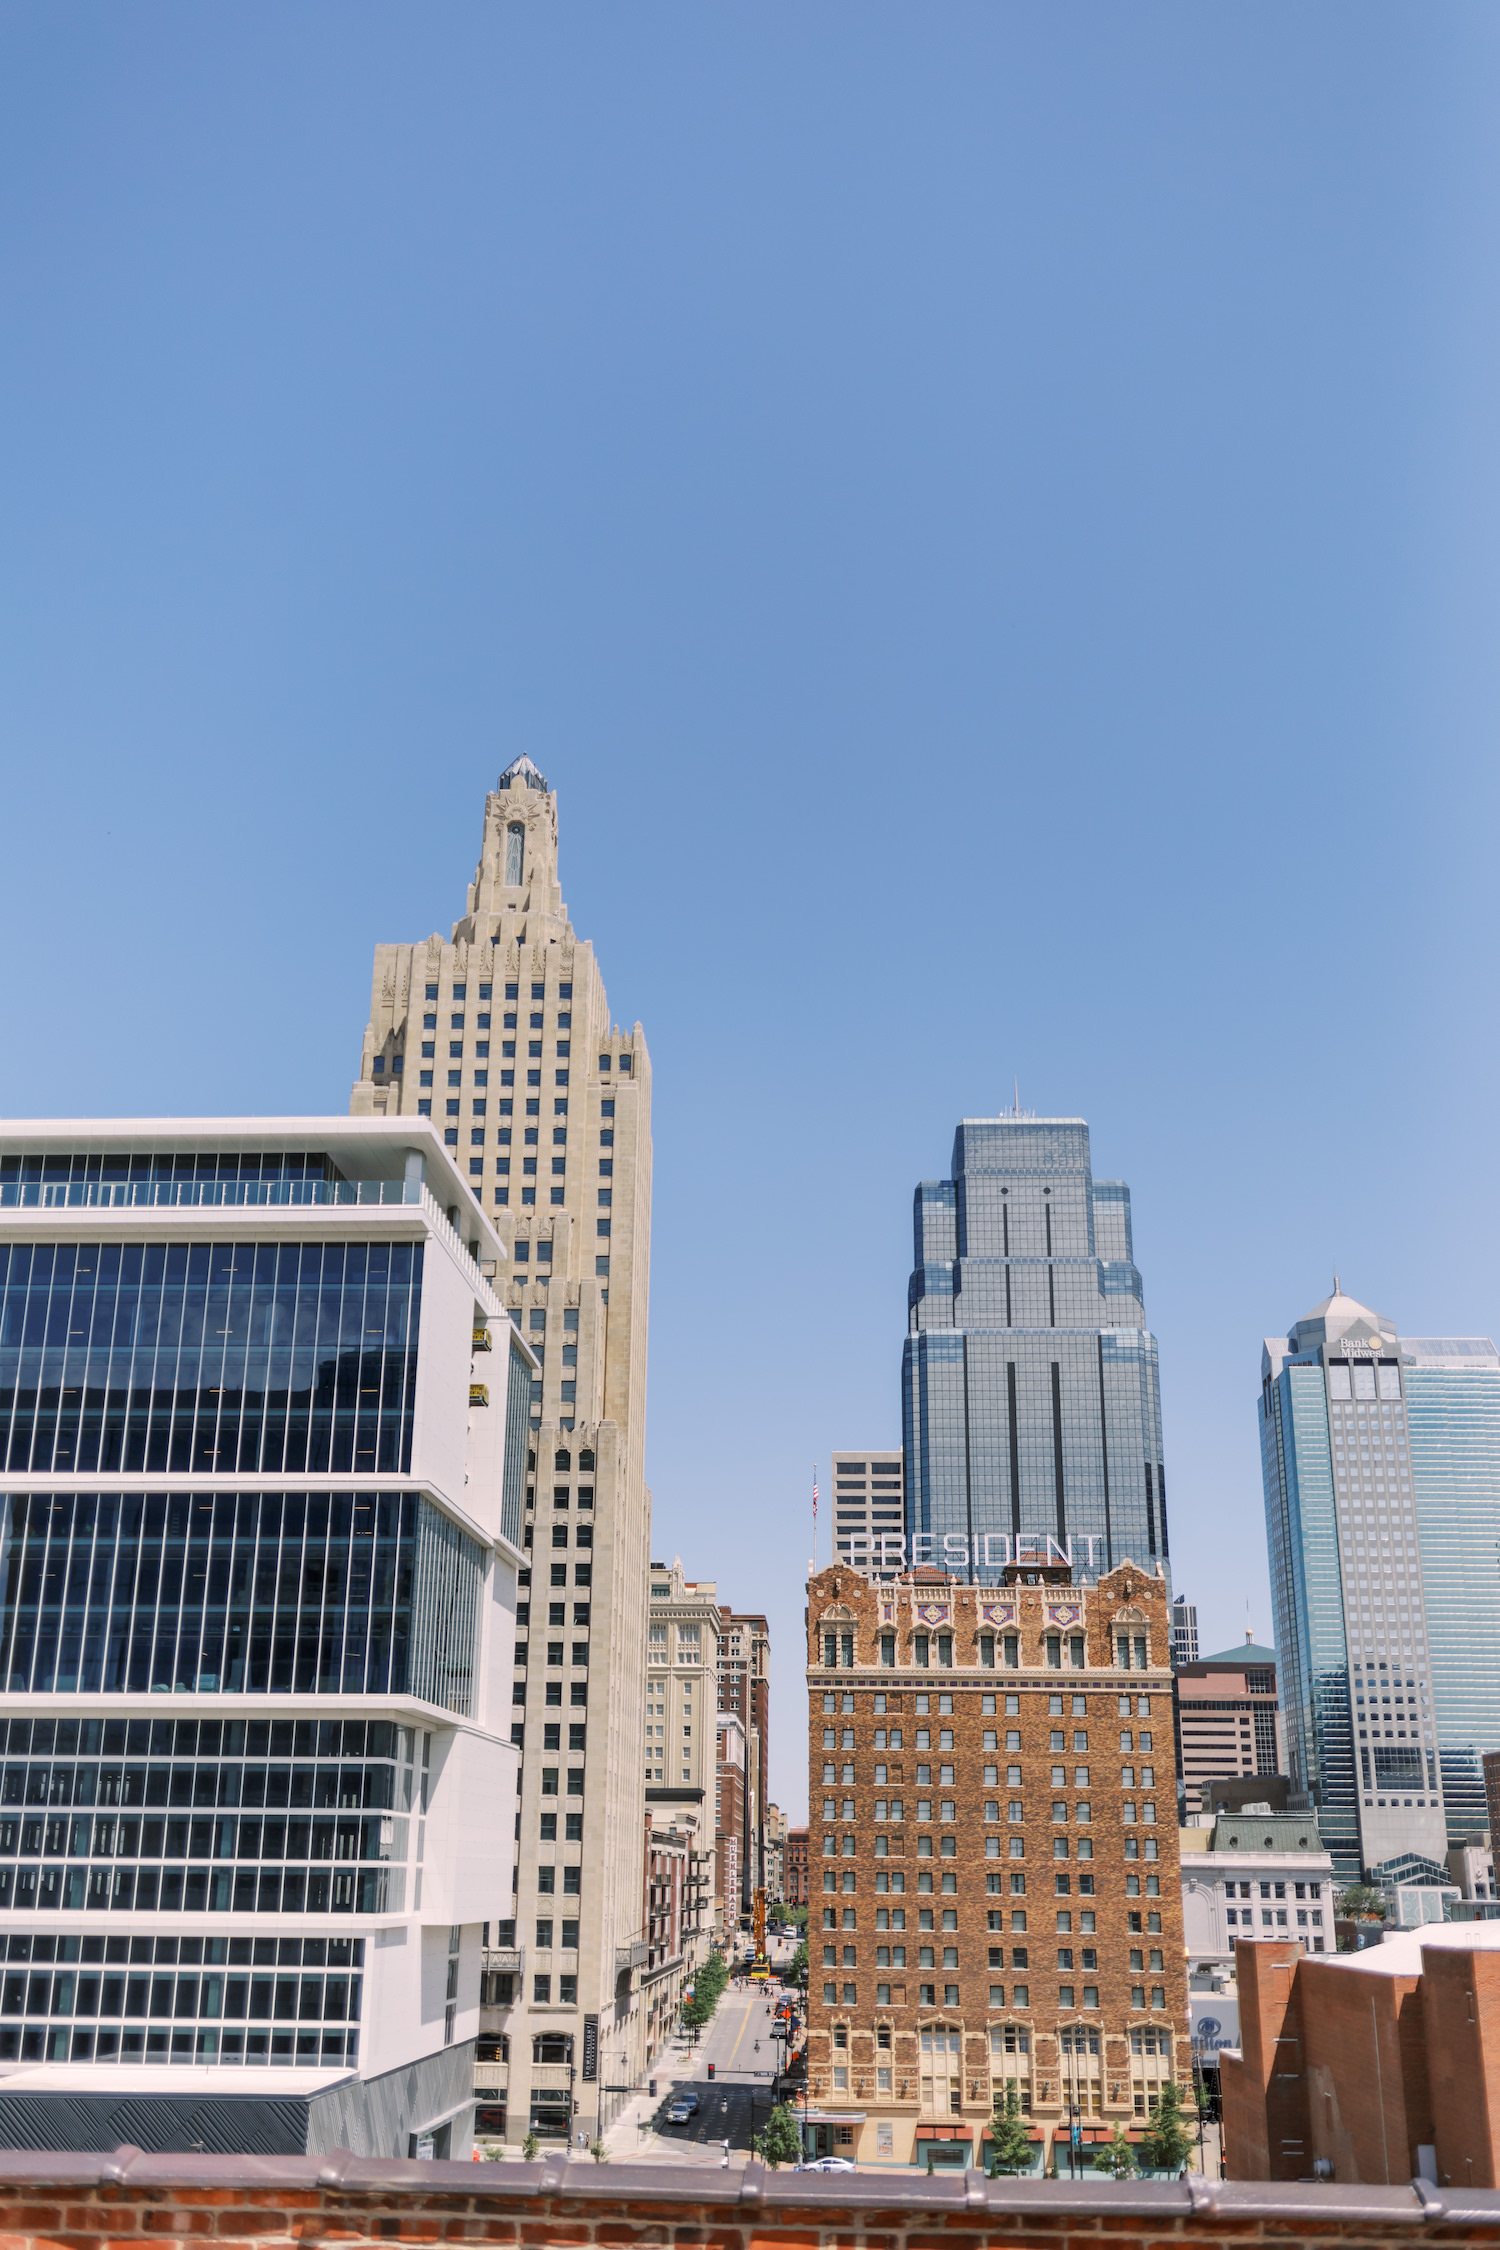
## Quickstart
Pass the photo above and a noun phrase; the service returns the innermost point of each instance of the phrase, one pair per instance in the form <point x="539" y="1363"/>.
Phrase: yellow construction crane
<point x="760" y="1966"/>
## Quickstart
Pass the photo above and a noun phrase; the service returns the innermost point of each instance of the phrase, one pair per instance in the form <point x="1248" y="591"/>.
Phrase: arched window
<point x="562" y="1461"/>
<point x="515" y="850"/>
<point x="585" y="1459"/>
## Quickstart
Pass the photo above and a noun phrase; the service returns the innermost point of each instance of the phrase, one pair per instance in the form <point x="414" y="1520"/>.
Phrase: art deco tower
<point x="502" y="1034"/>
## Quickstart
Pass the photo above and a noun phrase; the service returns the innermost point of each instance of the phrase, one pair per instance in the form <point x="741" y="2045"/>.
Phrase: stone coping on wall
<point x="84" y="2200"/>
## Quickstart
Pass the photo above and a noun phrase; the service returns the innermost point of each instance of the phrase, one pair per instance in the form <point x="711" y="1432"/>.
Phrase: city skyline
<point x="989" y="530"/>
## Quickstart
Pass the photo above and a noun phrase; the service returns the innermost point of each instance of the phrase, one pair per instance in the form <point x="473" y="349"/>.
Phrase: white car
<point x="827" y="2164"/>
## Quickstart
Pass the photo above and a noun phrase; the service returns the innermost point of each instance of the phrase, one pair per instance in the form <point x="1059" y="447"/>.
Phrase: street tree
<point x="1013" y="2148"/>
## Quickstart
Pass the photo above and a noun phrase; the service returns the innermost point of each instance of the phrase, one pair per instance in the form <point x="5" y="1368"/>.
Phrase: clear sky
<point x="987" y="514"/>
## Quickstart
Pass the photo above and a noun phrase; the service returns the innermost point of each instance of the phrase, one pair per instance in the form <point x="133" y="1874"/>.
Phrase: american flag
<point x="815" y="1493"/>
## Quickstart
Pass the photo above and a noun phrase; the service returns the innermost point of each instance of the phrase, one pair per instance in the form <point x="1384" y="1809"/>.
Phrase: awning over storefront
<point x="832" y="2116"/>
<point x="944" y="2133"/>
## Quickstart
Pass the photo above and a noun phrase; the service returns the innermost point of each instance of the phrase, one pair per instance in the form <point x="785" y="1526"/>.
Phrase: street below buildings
<point x="733" y="2105"/>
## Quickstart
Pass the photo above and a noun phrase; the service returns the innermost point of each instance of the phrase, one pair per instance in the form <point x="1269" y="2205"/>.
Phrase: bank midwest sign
<point x="953" y="1550"/>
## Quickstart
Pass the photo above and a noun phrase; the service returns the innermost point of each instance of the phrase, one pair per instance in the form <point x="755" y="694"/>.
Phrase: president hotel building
<point x="993" y="1889"/>
<point x="501" y="1034"/>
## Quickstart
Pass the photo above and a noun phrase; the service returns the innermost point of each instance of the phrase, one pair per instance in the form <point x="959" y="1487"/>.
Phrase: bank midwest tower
<point x="501" y="1034"/>
<point x="263" y="1427"/>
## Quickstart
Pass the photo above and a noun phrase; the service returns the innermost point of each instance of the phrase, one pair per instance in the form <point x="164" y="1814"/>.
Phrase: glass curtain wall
<point x="237" y="1593"/>
<point x="264" y="1357"/>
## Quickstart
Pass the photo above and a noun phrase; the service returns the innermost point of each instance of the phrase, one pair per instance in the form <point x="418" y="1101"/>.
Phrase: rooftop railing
<point x="234" y="1195"/>
<point x="168" y="1194"/>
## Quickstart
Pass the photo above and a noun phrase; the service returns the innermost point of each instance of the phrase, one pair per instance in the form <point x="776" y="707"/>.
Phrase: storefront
<point x="943" y="2148"/>
<point x="831" y="2132"/>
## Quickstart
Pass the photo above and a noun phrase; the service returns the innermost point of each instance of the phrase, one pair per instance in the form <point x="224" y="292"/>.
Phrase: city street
<point x="732" y="2105"/>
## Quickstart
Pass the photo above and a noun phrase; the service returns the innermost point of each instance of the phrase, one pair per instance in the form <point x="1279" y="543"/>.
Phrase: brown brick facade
<point x="993" y="1882"/>
<point x="86" y="2202"/>
<point x="1361" y="2062"/>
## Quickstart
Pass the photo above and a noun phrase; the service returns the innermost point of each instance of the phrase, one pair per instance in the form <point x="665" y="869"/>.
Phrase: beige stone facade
<point x="682" y="1635"/>
<point x="775" y="1828"/>
<point x="502" y="1034"/>
<point x="993" y="1884"/>
<point x="745" y="1690"/>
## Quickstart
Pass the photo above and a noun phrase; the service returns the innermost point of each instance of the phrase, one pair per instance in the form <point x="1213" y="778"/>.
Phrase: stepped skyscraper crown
<point x="1029" y="1380"/>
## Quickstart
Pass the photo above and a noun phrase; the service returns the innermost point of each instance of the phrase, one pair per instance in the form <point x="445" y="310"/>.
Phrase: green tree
<point x="1360" y="1903"/>
<point x="800" y="1961"/>
<point x="780" y="2143"/>
<point x="1169" y="2141"/>
<point x="529" y="2147"/>
<point x="708" y="1988"/>
<point x="1013" y="2147"/>
<point x="1116" y="2157"/>
<point x="598" y="2152"/>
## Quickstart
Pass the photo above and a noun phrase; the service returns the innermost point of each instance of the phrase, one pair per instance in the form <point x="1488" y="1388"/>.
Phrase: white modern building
<point x="1254" y="1873"/>
<point x="263" y="1427"/>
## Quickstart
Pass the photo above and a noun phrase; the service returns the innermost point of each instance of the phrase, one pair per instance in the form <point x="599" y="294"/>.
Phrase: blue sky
<point x="986" y="514"/>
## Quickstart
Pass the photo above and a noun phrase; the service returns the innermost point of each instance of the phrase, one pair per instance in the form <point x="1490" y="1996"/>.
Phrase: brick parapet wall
<point x="82" y="2202"/>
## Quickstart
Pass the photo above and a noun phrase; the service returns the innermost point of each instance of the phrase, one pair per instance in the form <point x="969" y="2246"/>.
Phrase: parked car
<point x="826" y="2164"/>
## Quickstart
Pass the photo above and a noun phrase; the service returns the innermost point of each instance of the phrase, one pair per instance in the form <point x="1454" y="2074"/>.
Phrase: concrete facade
<point x="994" y="1888"/>
<point x="1259" y="1872"/>
<point x="682" y="1636"/>
<point x="745" y="1690"/>
<point x="867" y="1502"/>
<point x="502" y="1033"/>
<point x="775" y="1825"/>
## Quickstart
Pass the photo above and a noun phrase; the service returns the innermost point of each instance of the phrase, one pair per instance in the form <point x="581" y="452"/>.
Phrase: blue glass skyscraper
<point x="1381" y="1462"/>
<point x="1030" y="1401"/>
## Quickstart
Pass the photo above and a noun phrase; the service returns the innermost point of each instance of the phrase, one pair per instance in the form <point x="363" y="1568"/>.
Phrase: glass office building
<point x="1381" y="1464"/>
<point x="1030" y="1399"/>
<point x="262" y="1524"/>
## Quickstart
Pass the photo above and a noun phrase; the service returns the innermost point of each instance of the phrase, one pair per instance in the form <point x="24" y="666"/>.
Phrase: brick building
<point x="993" y="1872"/>
<point x="796" y="1867"/>
<point x="1229" y="1716"/>
<point x="1379" y="2064"/>
<point x="672" y="1917"/>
